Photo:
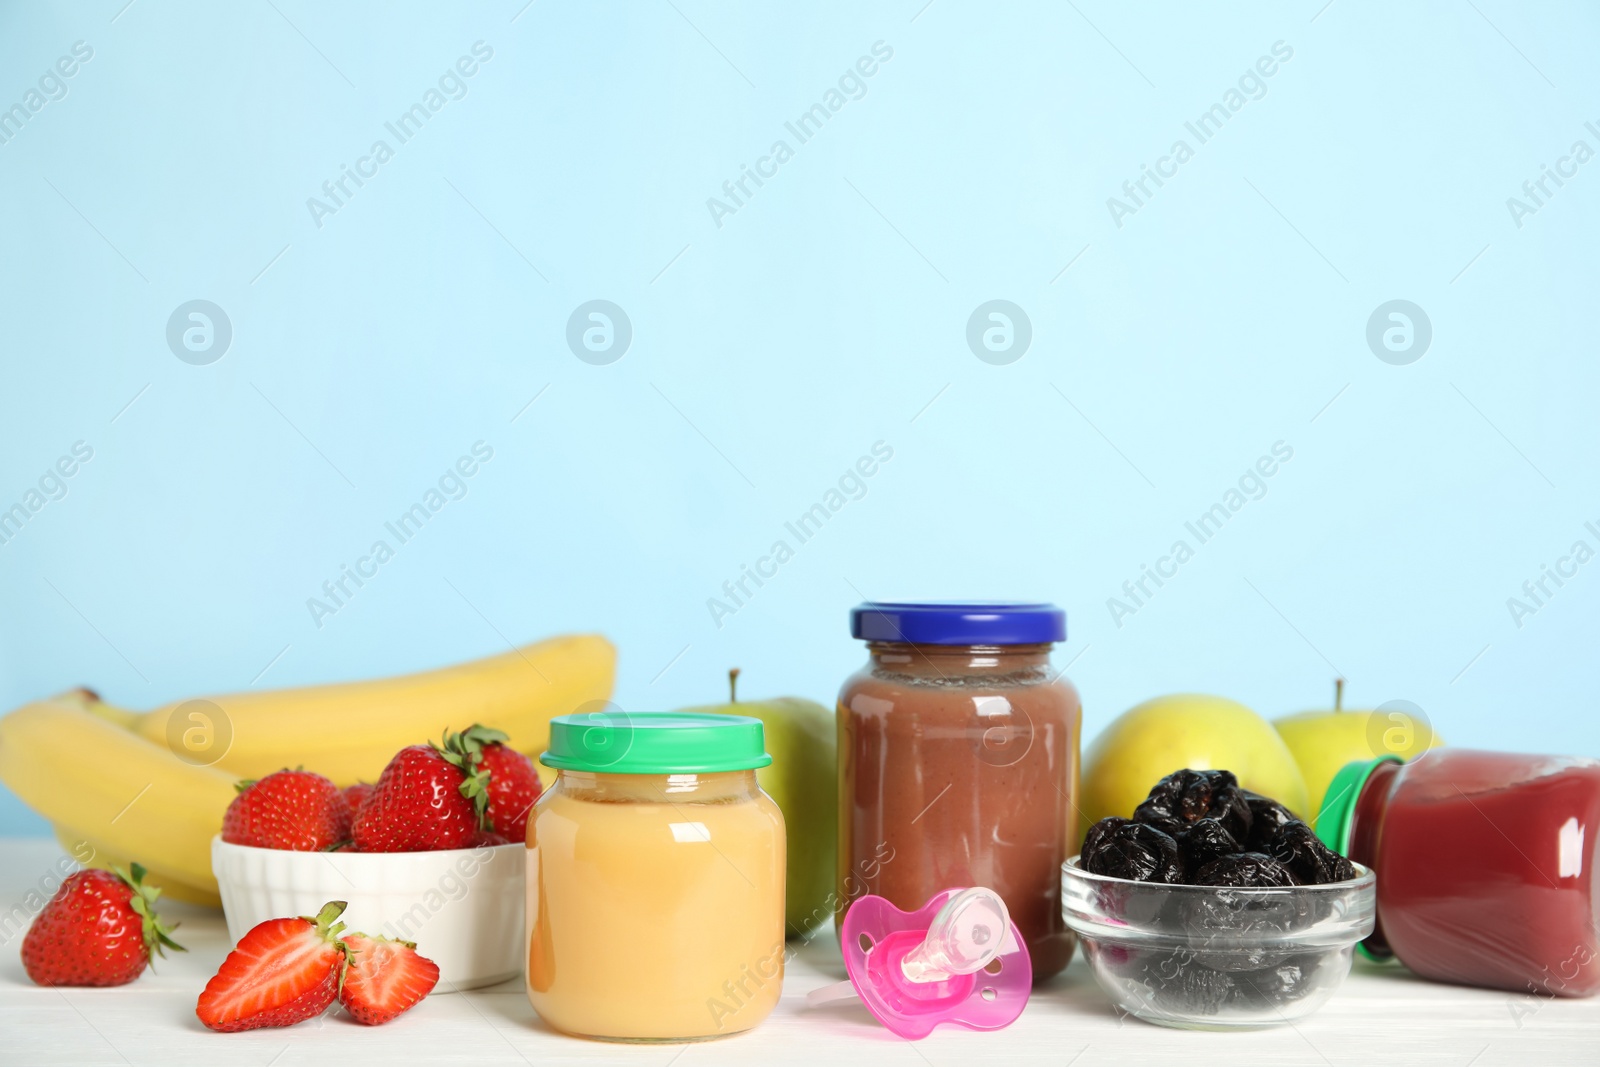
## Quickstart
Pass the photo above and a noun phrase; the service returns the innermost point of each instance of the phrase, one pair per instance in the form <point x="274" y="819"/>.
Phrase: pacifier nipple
<point x="971" y="929"/>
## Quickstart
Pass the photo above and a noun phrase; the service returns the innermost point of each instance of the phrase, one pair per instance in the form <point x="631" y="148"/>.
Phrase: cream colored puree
<point x="656" y="905"/>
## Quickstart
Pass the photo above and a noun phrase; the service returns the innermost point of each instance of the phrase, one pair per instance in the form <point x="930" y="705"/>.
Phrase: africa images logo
<point x="337" y="192"/>
<point x="999" y="332"/>
<point x="199" y="332"/>
<point x="852" y="85"/>
<point x="1251" y="85"/>
<point x="599" y="332"/>
<point x="1399" y="332"/>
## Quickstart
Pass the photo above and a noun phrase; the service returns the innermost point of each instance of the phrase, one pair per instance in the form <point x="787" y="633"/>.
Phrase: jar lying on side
<point x="655" y="879"/>
<point x="1486" y="865"/>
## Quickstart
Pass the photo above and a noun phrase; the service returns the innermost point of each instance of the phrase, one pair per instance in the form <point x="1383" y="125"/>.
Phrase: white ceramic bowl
<point x="463" y="907"/>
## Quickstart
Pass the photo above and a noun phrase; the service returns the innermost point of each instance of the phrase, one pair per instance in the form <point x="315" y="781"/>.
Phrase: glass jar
<point x="655" y="879"/>
<point x="958" y="760"/>
<point x="1485" y="863"/>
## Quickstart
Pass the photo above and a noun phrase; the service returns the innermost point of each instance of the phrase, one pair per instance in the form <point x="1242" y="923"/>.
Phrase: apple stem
<point x="1338" y="694"/>
<point x="733" y="685"/>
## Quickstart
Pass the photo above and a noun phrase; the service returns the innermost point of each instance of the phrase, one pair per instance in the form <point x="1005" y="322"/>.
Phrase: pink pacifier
<point x="957" y="959"/>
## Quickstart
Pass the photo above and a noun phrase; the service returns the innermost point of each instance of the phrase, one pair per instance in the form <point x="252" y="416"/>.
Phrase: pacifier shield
<point x="877" y="936"/>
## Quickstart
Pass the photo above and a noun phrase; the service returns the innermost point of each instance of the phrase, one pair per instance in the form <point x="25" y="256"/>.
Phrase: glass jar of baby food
<point x="1486" y="866"/>
<point x="655" y="878"/>
<point x="958" y="760"/>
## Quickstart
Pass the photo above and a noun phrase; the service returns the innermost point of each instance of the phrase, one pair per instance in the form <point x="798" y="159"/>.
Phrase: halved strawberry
<point x="385" y="978"/>
<point x="282" y="972"/>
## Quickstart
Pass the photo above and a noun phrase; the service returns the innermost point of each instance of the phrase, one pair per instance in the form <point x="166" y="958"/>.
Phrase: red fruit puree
<point x="1486" y="868"/>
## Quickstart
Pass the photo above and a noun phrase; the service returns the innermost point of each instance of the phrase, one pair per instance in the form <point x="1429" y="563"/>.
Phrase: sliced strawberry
<point x="385" y="978"/>
<point x="282" y="972"/>
<point x="98" y="930"/>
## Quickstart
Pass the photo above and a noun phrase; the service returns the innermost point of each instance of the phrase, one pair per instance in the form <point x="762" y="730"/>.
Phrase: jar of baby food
<point x="958" y="759"/>
<point x="655" y="878"/>
<point x="1485" y="862"/>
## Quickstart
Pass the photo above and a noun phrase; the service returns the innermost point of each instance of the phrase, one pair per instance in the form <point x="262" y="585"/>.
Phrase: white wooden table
<point x="1381" y="1015"/>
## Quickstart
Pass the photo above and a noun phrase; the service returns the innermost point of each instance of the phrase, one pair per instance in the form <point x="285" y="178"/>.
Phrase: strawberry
<point x="420" y="804"/>
<point x="449" y="795"/>
<point x="513" y="783"/>
<point x="354" y="795"/>
<point x="385" y="978"/>
<point x="282" y="972"/>
<point x="97" y="930"/>
<point x="294" y="810"/>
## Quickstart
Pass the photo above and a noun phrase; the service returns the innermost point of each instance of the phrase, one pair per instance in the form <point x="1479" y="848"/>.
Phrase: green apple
<point x="1324" y="741"/>
<point x="1148" y="742"/>
<point x="803" y="779"/>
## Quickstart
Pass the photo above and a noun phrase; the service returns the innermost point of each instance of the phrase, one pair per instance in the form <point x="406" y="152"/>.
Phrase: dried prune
<point x="1239" y="928"/>
<point x="1245" y="870"/>
<point x="1298" y="848"/>
<point x="1119" y="848"/>
<point x="1094" y="840"/>
<point x="1241" y="960"/>
<point x="1202" y="990"/>
<point x="1187" y="796"/>
<point x="1236" y="910"/>
<point x="1202" y="842"/>
<point x="1281" y="984"/>
<point x="1266" y="817"/>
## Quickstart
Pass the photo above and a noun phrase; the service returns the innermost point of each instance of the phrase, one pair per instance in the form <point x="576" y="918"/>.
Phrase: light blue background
<point x="1229" y="313"/>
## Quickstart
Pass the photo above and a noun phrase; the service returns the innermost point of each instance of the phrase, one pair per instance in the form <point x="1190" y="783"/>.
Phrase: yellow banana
<point x="113" y="784"/>
<point x="349" y="731"/>
<point x="98" y="854"/>
<point x="109" y="790"/>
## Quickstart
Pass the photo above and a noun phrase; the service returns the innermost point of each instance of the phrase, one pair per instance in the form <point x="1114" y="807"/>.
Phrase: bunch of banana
<point x="121" y="785"/>
<point x="113" y="796"/>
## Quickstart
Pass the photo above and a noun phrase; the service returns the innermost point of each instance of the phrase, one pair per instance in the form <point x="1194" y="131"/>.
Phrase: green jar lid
<point x="1337" y="814"/>
<point x="655" y="742"/>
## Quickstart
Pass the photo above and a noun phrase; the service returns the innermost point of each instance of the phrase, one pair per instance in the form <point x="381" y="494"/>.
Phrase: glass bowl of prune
<point x="1214" y="908"/>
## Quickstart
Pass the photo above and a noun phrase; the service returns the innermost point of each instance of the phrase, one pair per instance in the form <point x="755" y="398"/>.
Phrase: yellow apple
<point x="1324" y="741"/>
<point x="1148" y="742"/>
<point x="803" y="780"/>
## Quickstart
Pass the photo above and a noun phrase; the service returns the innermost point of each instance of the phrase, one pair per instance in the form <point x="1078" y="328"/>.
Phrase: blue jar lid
<point x="958" y="623"/>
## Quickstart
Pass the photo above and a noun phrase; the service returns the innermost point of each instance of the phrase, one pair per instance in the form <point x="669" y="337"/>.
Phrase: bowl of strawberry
<point x="431" y="854"/>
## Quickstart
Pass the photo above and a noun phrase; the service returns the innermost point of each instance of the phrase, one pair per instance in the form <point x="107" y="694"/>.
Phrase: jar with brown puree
<point x="958" y="760"/>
